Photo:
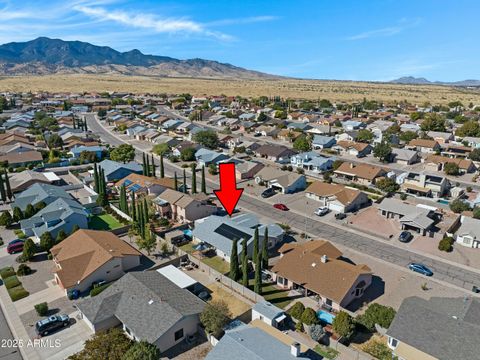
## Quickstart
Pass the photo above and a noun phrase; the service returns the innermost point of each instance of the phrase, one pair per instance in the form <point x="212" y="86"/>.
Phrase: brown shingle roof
<point x="363" y="171"/>
<point x="352" y="144"/>
<point x="426" y="143"/>
<point x="462" y="163"/>
<point x="342" y="193"/>
<point x="302" y="264"/>
<point x="83" y="252"/>
<point x="22" y="157"/>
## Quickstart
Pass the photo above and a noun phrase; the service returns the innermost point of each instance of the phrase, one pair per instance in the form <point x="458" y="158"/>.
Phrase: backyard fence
<point x="120" y="212"/>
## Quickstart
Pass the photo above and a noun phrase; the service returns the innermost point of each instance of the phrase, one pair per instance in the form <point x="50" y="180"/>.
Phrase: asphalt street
<point x="444" y="271"/>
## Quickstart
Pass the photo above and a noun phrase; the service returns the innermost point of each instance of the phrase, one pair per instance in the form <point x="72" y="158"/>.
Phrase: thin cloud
<point x="403" y="24"/>
<point x="145" y="21"/>
<point x="247" y="20"/>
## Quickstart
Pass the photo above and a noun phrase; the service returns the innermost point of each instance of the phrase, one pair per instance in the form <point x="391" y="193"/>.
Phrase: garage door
<point x="336" y="207"/>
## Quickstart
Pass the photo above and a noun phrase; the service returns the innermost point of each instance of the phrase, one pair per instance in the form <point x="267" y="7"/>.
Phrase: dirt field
<point x="235" y="305"/>
<point x="308" y="89"/>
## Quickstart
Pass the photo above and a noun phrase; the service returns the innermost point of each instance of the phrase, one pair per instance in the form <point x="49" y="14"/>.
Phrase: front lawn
<point x="104" y="222"/>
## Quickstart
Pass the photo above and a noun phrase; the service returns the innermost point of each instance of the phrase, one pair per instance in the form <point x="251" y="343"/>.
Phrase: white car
<point x="321" y="211"/>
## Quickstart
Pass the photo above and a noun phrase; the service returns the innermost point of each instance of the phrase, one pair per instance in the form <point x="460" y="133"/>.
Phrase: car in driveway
<point x="15" y="246"/>
<point x="420" y="268"/>
<point x="282" y="207"/>
<point x="321" y="211"/>
<point x="50" y="324"/>
<point x="267" y="193"/>
<point x="405" y="236"/>
<point x="340" y="216"/>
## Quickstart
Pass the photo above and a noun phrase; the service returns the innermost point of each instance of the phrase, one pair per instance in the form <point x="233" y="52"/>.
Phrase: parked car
<point x="420" y="268"/>
<point x="73" y="294"/>
<point x="282" y="207"/>
<point x="405" y="236"/>
<point x="340" y="216"/>
<point x="204" y="295"/>
<point x="15" y="247"/>
<point x="50" y="324"/>
<point x="321" y="211"/>
<point x="267" y="193"/>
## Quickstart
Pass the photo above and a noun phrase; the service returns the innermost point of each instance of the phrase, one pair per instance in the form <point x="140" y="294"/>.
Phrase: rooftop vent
<point x="324" y="259"/>
<point x="150" y="302"/>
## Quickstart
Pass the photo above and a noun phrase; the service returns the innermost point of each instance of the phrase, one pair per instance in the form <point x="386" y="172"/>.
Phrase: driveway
<point x="7" y="352"/>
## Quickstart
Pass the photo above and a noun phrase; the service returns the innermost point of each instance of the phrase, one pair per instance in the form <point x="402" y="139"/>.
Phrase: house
<point x="419" y="218"/>
<point x="312" y="161"/>
<point x="440" y="137"/>
<point x="405" y="156"/>
<point x="87" y="256"/>
<point x="350" y="125"/>
<point x="468" y="234"/>
<point x="438" y="162"/>
<point x="360" y="173"/>
<point x="316" y="268"/>
<point x="337" y="197"/>
<point x="115" y="171"/>
<point x="473" y="142"/>
<point x="436" y="329"/>
<point x="422" y="184"/>
<point x="425" y="146"/>
<point x="220" y="232"/>
<point x="410" y="127"/>
<point x="39" y="192"/>
<point x="180" y="278"/>
<point x="352" y="148"/>
<point x="268" y="313"/>
<point x="182" y="207"/>
<point x="97" y="150"/>
<point x="206" y="157"/>
<point x="23" y="180"/>
<point x="16" y="148"/>
<point x="254" y="341"/>
<point x="245" y="169"/>
<point x="278" y="153"/>
<point x="456" y="151"/>
<point x="285" y="182"/>
<point x="61" y="214"/>
<point x="147" y="306"/>
<point x="26" y="158"/>
<point x="181" y="145"/>
<point x="320" y="142"/>
<point x="141" y="184"/>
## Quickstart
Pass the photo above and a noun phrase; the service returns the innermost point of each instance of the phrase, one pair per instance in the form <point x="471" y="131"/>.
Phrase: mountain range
<point x="410" y="80"/>
<point x="44" y="56"/>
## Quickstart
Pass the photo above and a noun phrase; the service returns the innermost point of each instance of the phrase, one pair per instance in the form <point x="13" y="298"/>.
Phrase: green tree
<point x="451" y="168"/>
<point x="6" y="219"/>
<point x="144" y="166"/>
<point x="148" y="242"/>
<point x="112" y="344"/>
<point x="96" y="178"/>
<point x="377" y="314"/>
<point x="302" y="143"/>
<point x="207" y="138"/>
<point x="265" y="249"/>
<point x="175" y="181"/>
<point x="142" y="350"/>
<point x="382" y="151"/>
<point x="296" y="310"/>
<point x="203" y="185"/>
<point x="29" y="211"/>
<point x="162" y="168"/>
<point x="255" y="245"/>
<point x="75" y="228"/>
<point x="433" y="122"/>
<point x="3" y="192"/>
<point x="46" y="241"/>
<point x="309" y="317"/>
<point x="408" y="136"/>
<point x="343" y="324"/>
<point x="215" y="316"/>
<point x="7" y="185"/>
<point x="476" y="212"/>
<point x="387" y="185"/>
<point x="54" y="141"/>
<point x="257" y="287"/>
<point x="194" y="178"/>
<point x="364" y="136"/>
<point x="17" y="214"/>
<point x="184" y="187"/>
<point x="29" y="249"/>
<point x="475" y="154"/>
<point x="244" y="263"/>
<point x="61" y="235"/>
<point x="262" y="117"/>
<point x="234" y="267"/>
<point x="161" y="149"/>
<point x="187" y="154"/>
<point x="470" y="128"/>
<point x="446" y="244"/>
<point x="123" y="153"/>
<point x="459" y="206"/>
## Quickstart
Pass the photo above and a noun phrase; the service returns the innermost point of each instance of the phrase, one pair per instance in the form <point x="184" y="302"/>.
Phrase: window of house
<point x="178" y="334"/>
<point x="393" y="342"/>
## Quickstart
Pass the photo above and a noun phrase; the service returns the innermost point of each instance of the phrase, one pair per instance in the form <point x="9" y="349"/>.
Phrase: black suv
<point x="50" y="324"/>
<point x="267" y="193"/>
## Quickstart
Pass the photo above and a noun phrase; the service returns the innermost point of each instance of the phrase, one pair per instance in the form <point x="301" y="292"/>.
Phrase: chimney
<point x="324" y="259"/>
<point x="295" y="349"/>
<point x="352" y="165"/>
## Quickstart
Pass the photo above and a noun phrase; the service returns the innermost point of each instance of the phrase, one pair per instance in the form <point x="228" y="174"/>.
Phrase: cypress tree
<point x="133" y="207"/>
<point x="258" y="275"/>
<point x="162" y="170"/>
<point x="148" y="167"/>
<point x="95" y="177"/>
<point x="86" y="127"/>
<point x="74" y="123"/>
<point x="184" y="182"/>
<point x="7" y="183"/>
<point x="3" y="193"/>
<point x="255" y="245"/>
<point x="234" y="269"/>
<point x="154" y="170"/>
<point x="265" y="249"/>
<point x="244" y="263"/>
<point x="144" y="163"/>
<point x="204" y="185"/>
<point x="175" y="181"/>
<point x="194" y="179"/>
<point x="145" y="209"/>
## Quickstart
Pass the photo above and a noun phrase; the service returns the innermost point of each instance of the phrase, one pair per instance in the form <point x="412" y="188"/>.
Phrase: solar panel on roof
<point x="127" y="182"/>
<point x="135" y="187"/>
<point x="231" y="233"/>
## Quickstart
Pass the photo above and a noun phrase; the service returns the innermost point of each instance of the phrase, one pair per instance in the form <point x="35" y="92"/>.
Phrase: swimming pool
<point x="325" y="316"/>
<point x="442" y="201"/>
<point x="187" y="233"/>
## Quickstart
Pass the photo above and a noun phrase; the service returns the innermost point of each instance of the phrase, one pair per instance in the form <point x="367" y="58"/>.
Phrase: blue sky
<point x="348" y="40"/>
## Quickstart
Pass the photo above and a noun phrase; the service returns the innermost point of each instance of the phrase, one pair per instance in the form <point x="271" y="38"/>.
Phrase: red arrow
<point x="228" y="193"/>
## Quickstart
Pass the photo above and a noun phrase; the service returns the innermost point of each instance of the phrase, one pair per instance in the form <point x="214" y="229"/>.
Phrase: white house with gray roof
<point x="148" y="306"/>
<point x="468" y="234"/>
<point x="219" y="232"/>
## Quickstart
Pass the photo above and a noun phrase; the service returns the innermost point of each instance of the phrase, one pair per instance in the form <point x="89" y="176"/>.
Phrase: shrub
<point x="42" y="309"/>
<point x="23" y="270"/>
<point x="403" y="196"/>
<point x="376" y="314"/>
<point x="296" y="310"/>
<point x="17" y="293"/>
<point x="299" y="326"/>
<point x="446" y="244"/>
<point x="309" y="317"/>
<point x="97" y="290"/>
<point x="377" y="349"/>
<point x="7" y="272"/>
<point x="343" y="324"/>
<point x="316" y="332"/>
<point x="11" y="282"/>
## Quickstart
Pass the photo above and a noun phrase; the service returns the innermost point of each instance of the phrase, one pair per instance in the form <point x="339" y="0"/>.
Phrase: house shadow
<point x="145" y="264"/>
<point x="374" y="291"/>
<point x="39" y="257"/>
<point x="53" y="311"/>
<point x="184" y="346"/>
